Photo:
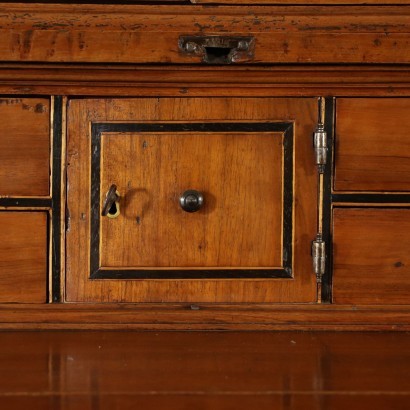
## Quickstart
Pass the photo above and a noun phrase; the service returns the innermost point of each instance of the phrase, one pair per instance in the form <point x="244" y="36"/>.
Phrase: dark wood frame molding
<point x="285" y="128"/>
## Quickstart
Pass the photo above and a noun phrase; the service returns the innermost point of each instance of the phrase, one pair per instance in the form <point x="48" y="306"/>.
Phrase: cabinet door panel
<point x="371" y="256"/>
<point x="250" y="242"/>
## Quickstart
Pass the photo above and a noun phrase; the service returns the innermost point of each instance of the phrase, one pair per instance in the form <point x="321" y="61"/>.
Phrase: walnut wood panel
<point x="372" y="145"/>
<point x="82" y="112"/>
<point x="141" y="34"/>
<point x="24" y="146"/>
<point x="240" y="176"/>
<point x="204" y="370"/>
<point x="371" y="258"/>
<point x="23" y="257"/>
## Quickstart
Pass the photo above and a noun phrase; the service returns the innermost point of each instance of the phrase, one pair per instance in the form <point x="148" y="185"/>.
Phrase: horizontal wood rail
<point x="204" y="317"/>
<point x="187" y="81"/>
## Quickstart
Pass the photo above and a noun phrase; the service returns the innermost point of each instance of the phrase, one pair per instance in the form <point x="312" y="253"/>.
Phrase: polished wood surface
<point x="371" y="256"/>
<point x="23" y="257"/>
<point x="205" y="316"/>
<point x="174" y="370"/>
<point x="24" y="146"/>
<point x="372" y="146"/>
<point x="75" y="33"/>
<point x="301" y="288"/>
<point x="240" y="176"/>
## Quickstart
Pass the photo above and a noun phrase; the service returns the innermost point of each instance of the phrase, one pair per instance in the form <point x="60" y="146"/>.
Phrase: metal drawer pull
<point x="218" y="49"/>
<point x="111" y="206"/>
<point x="191" y="200"/>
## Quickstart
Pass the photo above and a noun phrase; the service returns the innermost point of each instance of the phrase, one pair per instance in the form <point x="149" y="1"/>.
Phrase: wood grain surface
<point x="24" y="146"/>
<point x="302" y="288"/>
<point x="23" y="257"/>
<point x="141" y="34"/>
<point x="240" y="176"/>
<point x="372" y="145"/>
<point x="371" y="257"/>
<point x="204" y="370"/>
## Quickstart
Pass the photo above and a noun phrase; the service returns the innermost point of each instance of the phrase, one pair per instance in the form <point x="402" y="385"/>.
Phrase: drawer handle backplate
<point x="218" y="49"/>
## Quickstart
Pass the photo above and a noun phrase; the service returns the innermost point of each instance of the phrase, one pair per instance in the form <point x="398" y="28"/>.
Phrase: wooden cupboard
<point x="205" y="166"/>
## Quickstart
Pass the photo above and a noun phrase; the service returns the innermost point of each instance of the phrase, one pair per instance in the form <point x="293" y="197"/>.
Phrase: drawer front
<point x="372" y="144"/>
<point x="251" y="160"/>
<point x="371" y="256"/>
<point x="137" y="34"/>
<point x="23" y="257"/>
<point x="24" y="146"/>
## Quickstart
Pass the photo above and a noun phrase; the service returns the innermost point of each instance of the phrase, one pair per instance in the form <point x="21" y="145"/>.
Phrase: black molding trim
<point x="26" y="202"/>
<point x="190" y="274"/>
<point x="97" y="129"/>
<point x="371" y="198"/>
<point x="287" y="250"/>
<point x="56" y="200"/>
<point x="327" y="196"/>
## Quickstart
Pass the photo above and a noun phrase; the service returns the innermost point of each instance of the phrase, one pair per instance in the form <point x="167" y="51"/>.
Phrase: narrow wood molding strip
<point x="131" y="80"/>
<point x="254" y="75"/>
<point x="204" y="316"/>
